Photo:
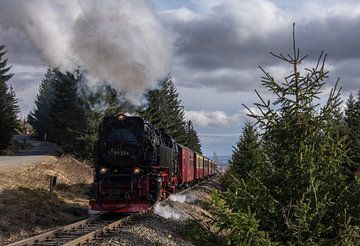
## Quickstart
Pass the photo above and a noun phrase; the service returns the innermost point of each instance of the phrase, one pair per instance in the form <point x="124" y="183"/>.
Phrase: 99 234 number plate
<point x="119" y="152"/>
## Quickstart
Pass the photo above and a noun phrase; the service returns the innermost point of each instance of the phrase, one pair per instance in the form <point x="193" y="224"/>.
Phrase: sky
<point x="213" y="49"/>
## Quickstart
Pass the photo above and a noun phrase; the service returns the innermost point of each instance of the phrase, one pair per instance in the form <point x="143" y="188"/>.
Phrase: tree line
<point x="293" y="176"/>
<point x="68" y="113"/>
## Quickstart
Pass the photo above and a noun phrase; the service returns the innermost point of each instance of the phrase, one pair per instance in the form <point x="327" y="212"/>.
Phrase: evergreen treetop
<point x="298" y="193"/>
<point x="247" y="152"/>
<point x="352" y="120"/>
<point x="40" y="118"/>
<point x="163" y="109"/>
<point x="8" y="103"/>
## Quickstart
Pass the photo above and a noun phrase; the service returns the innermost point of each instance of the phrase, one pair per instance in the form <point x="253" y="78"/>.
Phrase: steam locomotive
<point x="137" y="164"/>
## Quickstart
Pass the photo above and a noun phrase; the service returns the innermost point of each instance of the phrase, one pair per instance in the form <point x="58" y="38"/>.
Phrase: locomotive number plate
<point x="119" y="152"/>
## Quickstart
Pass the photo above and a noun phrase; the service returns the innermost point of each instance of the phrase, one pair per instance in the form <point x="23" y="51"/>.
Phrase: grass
<point x="195" y="232"/>
<point x="27" y="208"/>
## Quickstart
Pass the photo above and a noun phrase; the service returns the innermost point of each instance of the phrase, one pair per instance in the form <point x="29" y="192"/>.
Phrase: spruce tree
<point x="8" y="103"/>
<point x="40" y="118"/>
<point x="352" y="120"/>
<point x="164" y="110"/>
<point x="106" y="100"/>
<point x="247" y="152"/>
<point x="68" y="113"/>
<point x="298" y="193"/>
<point x="192" y="139"/>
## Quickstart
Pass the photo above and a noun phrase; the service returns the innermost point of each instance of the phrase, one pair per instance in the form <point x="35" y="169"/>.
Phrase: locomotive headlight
<point x="103" y="170"/>
<point x="136" y="170"/>
<point x="121" y="117"/>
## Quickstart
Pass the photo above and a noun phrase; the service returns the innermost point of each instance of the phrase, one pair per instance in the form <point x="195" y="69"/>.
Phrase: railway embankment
<point x="176" y="221"/>
<point x="27" y="207"/>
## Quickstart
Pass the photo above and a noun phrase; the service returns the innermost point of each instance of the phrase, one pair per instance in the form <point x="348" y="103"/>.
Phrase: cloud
<point x="122" y="42"/>
<point x="219" y="135"/>
<point x="214" y="118"/>
<point x="214" y="139"/>
<point x="221" y="44"/>
<point x="25" y="82"/>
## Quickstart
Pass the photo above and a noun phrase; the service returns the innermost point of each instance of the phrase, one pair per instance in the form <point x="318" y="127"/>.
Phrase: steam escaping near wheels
<point x="182" y="198"/>
<point x="169" y="212"/>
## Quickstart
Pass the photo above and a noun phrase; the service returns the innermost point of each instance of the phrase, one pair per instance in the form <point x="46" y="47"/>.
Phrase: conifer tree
<point x="192" y="139"/>
<point x="247" y="152"/>
<point x="298" y="193"/>
<point x="164" y="110"/>
<point x="8" y="103"/>
<point x="67" y="112"/>
<point x="352" y="120"/>
<point x="40" y="118"/>
<point x="108" y="101"/>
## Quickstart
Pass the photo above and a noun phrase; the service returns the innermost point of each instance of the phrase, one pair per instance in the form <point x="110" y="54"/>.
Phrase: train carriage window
<point x="122" y="135"/>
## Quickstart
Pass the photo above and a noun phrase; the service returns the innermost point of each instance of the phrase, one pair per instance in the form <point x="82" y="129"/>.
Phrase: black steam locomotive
<point x="137" y="164"/>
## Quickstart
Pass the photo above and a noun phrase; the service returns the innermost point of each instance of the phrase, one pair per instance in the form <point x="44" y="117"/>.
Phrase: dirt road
<point x="40" y="151"/>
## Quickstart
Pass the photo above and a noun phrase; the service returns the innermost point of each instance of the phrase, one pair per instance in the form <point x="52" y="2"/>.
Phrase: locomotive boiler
<point x="137" y="164"/>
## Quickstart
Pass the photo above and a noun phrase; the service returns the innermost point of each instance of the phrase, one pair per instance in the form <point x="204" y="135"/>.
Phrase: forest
<point x="293" y="175"/>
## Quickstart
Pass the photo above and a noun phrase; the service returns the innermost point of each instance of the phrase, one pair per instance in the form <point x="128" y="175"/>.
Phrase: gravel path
<point x="41" y="151"/>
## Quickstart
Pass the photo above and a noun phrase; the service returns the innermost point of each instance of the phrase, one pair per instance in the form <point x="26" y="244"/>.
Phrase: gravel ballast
<point x="166" y="224"/>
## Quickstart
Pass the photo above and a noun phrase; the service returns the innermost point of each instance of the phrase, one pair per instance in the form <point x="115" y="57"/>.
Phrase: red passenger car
<point x="199" y="166"/>
<point x="206" y="167"/>
<point x="186" y="165"/>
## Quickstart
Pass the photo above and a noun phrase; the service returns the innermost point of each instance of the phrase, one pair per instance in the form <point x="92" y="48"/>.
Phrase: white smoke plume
<point x="168" y="212"/>
<point x="119" y="41"/>
<point x="182" y="198"/>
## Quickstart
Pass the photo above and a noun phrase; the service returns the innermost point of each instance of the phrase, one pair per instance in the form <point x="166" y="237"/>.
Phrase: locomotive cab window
<point x="122" y="135"/>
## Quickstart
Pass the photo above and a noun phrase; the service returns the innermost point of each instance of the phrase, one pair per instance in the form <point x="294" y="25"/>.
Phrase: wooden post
<point x="52" y="183"/>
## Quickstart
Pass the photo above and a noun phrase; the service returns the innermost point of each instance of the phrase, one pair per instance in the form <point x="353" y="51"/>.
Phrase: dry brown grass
<point x="26" y="206"/>
<point x="68" y="171"/>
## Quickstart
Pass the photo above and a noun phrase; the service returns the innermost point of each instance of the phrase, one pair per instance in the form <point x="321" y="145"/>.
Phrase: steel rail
<point x="86" y="238"/>
<point x="101" y="232"/>
<point x="49" y="234"/>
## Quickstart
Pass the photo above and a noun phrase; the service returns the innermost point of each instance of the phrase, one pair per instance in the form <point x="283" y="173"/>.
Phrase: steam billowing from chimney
<point x="119" y="41"/>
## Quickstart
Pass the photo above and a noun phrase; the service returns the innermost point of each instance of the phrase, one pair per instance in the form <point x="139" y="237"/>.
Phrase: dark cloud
<point x="220" y="49"/>
<point x="349" y="73"/>
<point x="20" y="50"/>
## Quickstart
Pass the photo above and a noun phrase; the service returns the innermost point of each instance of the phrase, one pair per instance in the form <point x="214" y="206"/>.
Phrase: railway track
<point x="91" y="231"/>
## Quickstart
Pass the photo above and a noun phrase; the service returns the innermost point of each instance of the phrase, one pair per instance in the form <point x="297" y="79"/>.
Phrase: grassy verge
<point x="27" y="208"/>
